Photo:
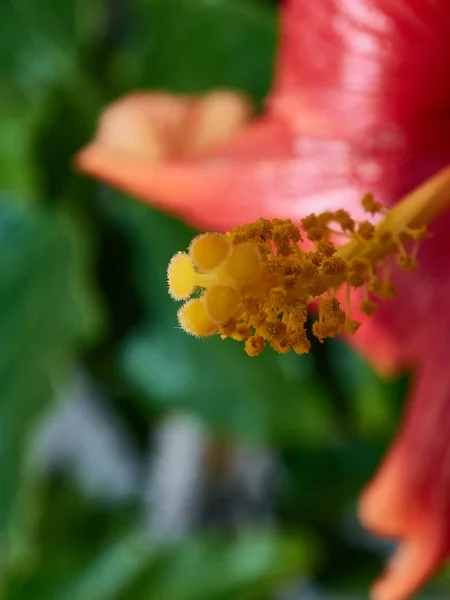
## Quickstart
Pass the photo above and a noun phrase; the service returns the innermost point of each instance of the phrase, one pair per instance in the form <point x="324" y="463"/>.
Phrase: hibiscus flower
<point x="360" y="102"/>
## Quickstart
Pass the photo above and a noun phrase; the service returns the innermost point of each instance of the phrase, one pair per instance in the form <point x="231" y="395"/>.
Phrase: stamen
<point x="257" y="282"/>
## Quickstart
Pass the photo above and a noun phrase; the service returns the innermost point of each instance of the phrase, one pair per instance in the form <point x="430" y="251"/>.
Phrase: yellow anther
<point x="241" y="332"/>
<point x="316" y="234"/>
<point x="331" y="308"/>
<point x="209" y="250"/>
<point x="366" y="230"/>
<point x="351" y="326"/>
<point x="360" y="265"/>
<point x="277" y="296"/>
<point x="309" y="222"/>
<point x="385" y="238"/>
<point x="291" y="271"/>
<point x="368" y="307"/>
<point x="228" y="328"/>
<point x="244" y="265"/>
<point x="285" y="230"/>
<point x="356" y="279"/>
<point x="316" y="258"/>
<point x="323" y="219"/>
<point x="195" y="320"/>
<point x="417" y="234"/>
<point x="299" y="314"/>
<point x="181" y="276"/>
<point x="407" y="262"/>
<point x="282" y="346"/>
<point x="344" y="219"/>
<point x="322" y="330"/>
<point x="383" y="289"/>
<point x="388" y="291"/>
<point x="254" y="345"/>
<point x="258" y="319"/>
<point x="370" y="205"/>
<point x="302" y="346"/>
<point x="221" y="302"/>
<point x="334" y="266"/>
<point x="326" y="248"/>
<point x="309" y="269"/>
<point x="260" y="232"/>
<point x="275" y="329"/>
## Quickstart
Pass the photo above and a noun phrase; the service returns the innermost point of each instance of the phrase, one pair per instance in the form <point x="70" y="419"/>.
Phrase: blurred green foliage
<point x="82" y="287"/>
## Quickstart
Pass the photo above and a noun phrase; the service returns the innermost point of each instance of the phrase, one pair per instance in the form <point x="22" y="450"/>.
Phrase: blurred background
<point x="136" y="462"/>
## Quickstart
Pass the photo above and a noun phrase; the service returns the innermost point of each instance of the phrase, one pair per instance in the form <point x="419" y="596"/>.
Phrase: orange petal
<point x="412" y="565"/>
<point x="143" y="125"/>
<point x="262" y="171"/>
<point x="214" y="118"/>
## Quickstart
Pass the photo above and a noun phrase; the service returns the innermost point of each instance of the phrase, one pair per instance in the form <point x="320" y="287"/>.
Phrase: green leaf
<point x="212" y="567"/>
<point x="110" y="572"/>
<point x="205" y="567"/>
<point x="76" y="538"/>
<point x="105" y="557"/>
<point x="374" y="402"/>
<point x="271" y="395"/>
<point x="46" y="309"/>
<point x="42" y="47"/>
<point x="17" y="170"/>
<point x="40" y="42"/>
<point x="194" y="45"/>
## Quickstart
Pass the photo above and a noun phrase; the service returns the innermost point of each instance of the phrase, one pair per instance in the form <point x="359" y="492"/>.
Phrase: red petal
<point x="410" y="496"/>
<point x="359" y="103"/>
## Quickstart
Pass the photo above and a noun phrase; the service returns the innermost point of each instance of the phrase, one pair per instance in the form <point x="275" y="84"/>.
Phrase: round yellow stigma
<point x="256" y="283"/>
<point x="221" y="302"/>
<point x="181" y="276"/>
<point x="209" y="250"/>
<point x="244" y="265"/>
<point x="194" y="319"/>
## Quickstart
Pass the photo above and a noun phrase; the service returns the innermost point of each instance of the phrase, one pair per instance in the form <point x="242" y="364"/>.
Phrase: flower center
<point x="257" y="282"/>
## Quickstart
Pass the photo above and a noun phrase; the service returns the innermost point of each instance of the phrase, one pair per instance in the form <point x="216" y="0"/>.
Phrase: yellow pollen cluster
<point x="256" y="283"/>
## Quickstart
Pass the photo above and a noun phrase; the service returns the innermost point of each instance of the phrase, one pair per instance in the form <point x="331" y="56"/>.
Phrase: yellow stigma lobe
<point x="256" y="283"/>
<point x="221" y="302"/>
<point x="209" y="250"/>
<point x="244" y="265"/>
<point x="193" y="318"/>
<point x="181" y="276"/>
